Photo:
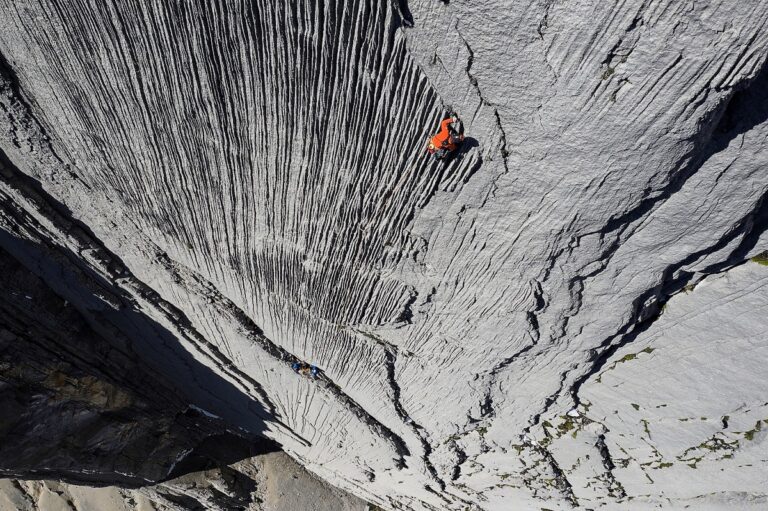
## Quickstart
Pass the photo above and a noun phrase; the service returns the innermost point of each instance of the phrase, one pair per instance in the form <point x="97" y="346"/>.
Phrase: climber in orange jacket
<point x="448" y="139"/>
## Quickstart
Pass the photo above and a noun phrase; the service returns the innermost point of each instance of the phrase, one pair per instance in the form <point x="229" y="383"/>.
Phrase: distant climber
<point x="448" y="139"/>
<point x="305" y="369"/>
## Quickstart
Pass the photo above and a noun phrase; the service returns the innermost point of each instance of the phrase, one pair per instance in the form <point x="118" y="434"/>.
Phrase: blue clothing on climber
<point x="305" y="369"/>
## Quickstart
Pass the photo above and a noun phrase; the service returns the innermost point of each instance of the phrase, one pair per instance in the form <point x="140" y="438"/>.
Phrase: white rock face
<point x="680" y="412"/>
<point x="253" y="178"/>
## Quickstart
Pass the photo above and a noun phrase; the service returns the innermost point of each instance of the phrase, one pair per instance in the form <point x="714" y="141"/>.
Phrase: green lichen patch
<point x="750" y="435"/>
<point x="626" y="358"/>
<point x="566" y="425"/>
<point x="452" y="439"/>
<point x="718" y="447"/>
<point x="761" y="258"/>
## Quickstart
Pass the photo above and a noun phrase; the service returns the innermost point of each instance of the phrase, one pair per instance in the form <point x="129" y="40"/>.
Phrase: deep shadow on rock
<point x="82" y="396"/>
<point x="466" y="148"/>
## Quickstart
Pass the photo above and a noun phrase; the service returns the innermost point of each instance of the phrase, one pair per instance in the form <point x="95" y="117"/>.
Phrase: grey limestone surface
<point x="243" y="185"/>
<point x="269" y="482"/>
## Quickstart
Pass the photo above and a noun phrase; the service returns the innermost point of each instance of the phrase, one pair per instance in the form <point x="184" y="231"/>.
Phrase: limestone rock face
<point x="270" y="482"/>
<point x="226" y="188"/>
<point x="679" y="413"/>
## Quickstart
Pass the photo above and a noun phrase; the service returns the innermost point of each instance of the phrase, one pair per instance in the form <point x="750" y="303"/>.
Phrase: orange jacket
<point x="443" y="138"/>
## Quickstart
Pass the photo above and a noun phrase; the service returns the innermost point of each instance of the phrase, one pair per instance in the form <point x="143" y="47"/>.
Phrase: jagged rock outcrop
<point x="270" y="482"/>
<point x="232" y="187"/>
